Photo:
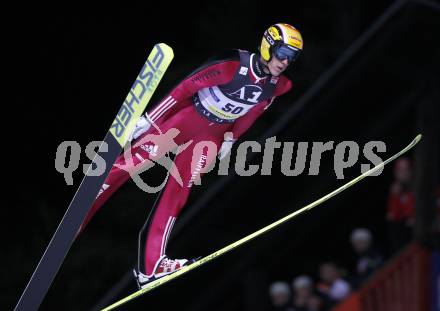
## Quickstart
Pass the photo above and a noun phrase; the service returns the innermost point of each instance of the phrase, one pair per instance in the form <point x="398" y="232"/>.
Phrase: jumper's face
<point x="276" y="66"/>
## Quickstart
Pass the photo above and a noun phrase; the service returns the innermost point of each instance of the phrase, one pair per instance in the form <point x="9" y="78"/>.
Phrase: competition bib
<point x="228" y="102"/>
<point x="227" y="107"/>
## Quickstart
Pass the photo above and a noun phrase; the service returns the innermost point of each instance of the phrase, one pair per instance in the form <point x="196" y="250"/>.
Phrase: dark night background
<point x="73" y="67"/>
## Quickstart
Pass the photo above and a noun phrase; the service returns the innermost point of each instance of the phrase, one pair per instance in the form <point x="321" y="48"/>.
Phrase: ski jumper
<point x="227" y="94"/>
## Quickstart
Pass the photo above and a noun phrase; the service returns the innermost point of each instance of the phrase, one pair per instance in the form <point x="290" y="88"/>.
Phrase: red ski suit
<point x="238" y="76"/>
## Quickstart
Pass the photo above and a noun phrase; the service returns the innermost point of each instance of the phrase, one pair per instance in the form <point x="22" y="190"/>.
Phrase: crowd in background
<point x="333" y="283"/>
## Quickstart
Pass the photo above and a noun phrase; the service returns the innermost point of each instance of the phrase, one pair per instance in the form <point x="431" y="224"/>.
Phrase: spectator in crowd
<point x="315" y="303"/>
<point x="280" y="296"/>
<point x="367" y="258"/>
<point x="400" y="209"/>
<point x="331" y="286"/>
<point x="302" y="291"/>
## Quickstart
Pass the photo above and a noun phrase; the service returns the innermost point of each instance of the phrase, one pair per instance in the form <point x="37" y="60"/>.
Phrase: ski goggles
<point x="283" y="51"/>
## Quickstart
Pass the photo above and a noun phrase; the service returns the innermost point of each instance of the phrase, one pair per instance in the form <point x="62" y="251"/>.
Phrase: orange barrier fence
<point x="401" y="285"/>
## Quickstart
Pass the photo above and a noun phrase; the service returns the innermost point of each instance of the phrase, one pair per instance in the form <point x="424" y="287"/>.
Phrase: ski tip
<point x="418" y="138"/>
<point x="165" y="47"/>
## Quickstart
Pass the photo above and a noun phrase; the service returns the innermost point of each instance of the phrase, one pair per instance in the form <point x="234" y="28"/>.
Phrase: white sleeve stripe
<point x="161" y="104"/>
<point x="160" y="107"/>
<point x="163" y="110"/>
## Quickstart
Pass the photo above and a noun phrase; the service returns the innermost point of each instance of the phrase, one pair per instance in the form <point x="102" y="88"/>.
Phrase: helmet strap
<point x="263" y="64"/>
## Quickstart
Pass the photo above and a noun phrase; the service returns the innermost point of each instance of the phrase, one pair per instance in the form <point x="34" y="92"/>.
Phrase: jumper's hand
<point x="142" y="125"/>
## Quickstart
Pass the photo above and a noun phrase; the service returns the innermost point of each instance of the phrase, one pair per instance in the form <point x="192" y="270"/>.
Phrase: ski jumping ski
<point x="117" y="136"/>
<point x="156" y="283"/>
